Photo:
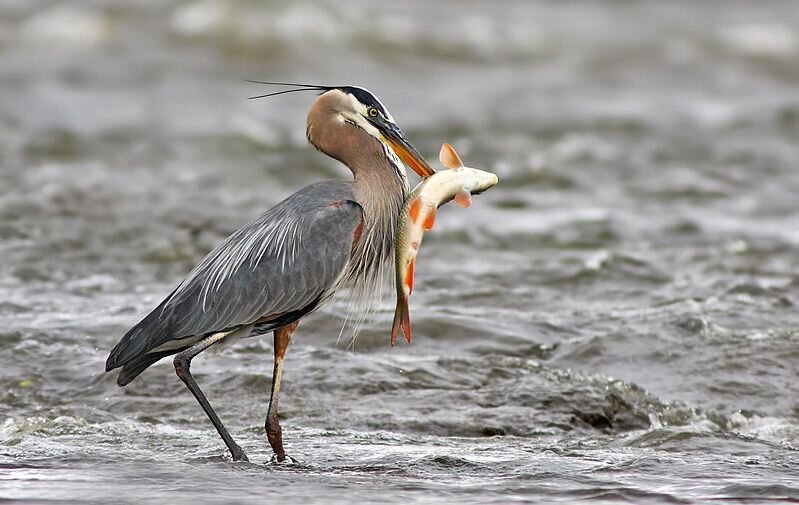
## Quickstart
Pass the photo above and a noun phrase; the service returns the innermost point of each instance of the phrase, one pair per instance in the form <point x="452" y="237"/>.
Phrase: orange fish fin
<point x="430" y="220"/>
<point x="406" y="325"/>
<point x="409" y="275"/>
<point x="402" y="321"/>
<point x="416" y="208"/>
<point x="463" y="198"/>
<point x="449" y="158"/>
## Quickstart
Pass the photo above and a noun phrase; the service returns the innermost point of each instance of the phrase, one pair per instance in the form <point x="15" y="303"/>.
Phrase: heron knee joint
<point x="181" y="366"/>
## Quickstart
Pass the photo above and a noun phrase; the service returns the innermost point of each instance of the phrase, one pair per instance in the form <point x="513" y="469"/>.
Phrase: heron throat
<point x="381" y="193"/>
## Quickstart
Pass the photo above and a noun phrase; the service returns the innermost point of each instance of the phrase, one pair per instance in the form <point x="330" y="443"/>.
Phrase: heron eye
<point x="373" y="112"/>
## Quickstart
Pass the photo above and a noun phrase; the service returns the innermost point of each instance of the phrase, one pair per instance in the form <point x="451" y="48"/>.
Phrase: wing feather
<point x="284" y="262"/>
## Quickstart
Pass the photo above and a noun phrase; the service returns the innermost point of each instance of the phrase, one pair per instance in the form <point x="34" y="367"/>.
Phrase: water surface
<point x="615" y="322"/>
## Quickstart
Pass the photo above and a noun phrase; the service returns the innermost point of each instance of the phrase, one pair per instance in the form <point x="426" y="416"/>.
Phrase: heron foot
<point x="238" y="454"/>
<point x="287" y="460"/>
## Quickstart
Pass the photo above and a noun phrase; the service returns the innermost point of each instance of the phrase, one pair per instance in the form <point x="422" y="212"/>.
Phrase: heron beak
<point x="405" y="150"/>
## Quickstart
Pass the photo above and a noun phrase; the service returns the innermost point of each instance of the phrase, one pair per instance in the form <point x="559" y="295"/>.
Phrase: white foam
<point x="67" y="25"/>
<point x="774" y="40"/>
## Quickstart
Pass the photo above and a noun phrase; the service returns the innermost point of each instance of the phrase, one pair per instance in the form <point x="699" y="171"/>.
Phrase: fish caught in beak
<point x="394" y="137"/>
<point x="418" y="214"/>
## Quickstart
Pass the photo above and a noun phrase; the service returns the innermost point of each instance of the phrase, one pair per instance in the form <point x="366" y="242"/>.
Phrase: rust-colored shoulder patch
<point x="356" y="236"/>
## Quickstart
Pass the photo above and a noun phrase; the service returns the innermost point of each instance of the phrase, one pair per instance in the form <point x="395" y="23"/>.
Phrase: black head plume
<point x="297" y="87"/>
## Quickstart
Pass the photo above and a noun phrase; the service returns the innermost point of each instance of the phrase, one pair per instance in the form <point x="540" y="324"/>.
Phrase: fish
<point x="418" y="215"/>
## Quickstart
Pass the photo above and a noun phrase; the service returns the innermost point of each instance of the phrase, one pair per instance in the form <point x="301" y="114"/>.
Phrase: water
<point x="615" y="322"/>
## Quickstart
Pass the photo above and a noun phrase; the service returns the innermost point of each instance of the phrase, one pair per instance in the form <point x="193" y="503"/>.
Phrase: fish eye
<point x="372" y="112"/>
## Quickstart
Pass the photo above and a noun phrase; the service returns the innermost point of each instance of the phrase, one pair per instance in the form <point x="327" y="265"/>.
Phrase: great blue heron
<point x="289" y="261"/>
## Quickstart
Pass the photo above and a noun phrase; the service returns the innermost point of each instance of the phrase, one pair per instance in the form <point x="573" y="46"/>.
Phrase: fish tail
<point x="402" y="321"/>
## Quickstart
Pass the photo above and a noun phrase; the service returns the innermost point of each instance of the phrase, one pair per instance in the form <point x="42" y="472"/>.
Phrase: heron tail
<point x="132" y="369"/>
<point x="136" y="350"/>
<point x="402" y="321"/>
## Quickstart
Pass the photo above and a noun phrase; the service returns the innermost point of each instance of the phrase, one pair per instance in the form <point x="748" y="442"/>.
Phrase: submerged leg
<point x="273" y="432"/>
<point x="182" y="364"/>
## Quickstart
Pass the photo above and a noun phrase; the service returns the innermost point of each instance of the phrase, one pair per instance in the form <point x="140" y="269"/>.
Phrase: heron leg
<point x="182" y="369"/>
<point x="273" y="432"/>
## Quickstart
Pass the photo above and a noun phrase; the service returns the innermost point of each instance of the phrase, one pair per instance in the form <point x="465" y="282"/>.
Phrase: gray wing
<point x="271" y="272"/>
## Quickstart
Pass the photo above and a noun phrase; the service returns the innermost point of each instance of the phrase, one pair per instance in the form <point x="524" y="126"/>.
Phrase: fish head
<point x="478" y="180"/>
<point x="475" y="181"/>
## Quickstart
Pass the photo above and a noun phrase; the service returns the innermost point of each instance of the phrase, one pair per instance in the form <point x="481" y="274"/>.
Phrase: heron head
<point x="356" y="107"/>
<point x="359" y="107"/>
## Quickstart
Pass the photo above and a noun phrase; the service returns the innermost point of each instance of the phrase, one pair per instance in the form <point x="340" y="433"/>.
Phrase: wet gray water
<point x="615" y="322"/>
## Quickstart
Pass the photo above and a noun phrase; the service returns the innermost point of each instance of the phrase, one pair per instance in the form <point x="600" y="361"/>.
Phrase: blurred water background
<point x="615" y="322"/>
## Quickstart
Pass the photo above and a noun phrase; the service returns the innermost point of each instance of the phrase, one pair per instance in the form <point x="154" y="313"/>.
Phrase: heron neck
<point x="381" y="191"/>
<point x="380" y="185"/>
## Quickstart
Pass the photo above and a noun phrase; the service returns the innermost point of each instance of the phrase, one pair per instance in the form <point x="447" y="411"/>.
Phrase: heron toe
<point x="288" y="460"/>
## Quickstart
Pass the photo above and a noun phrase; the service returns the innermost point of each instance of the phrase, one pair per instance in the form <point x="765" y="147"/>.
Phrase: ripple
<point x="614" y="322"/>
